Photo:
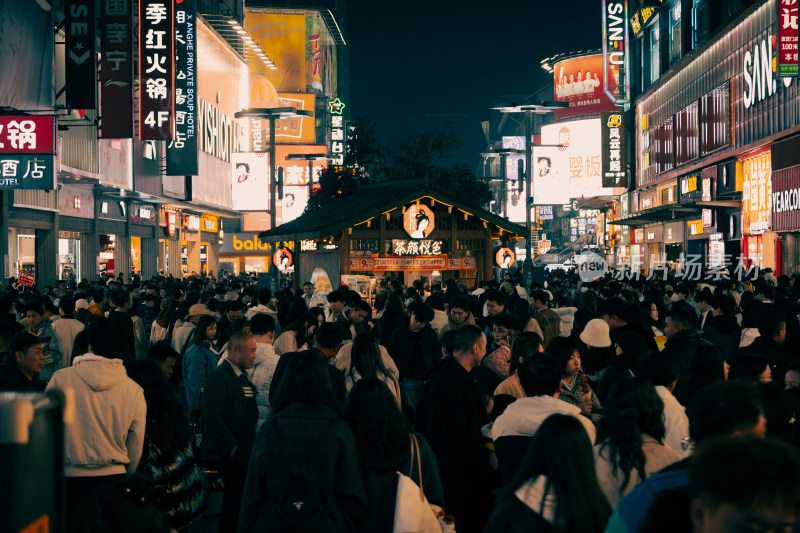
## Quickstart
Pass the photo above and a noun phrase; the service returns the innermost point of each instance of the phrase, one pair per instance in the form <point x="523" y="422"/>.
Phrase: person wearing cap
<point x="181" y="334"/>
<point x="599" y="352"/>
<point x="23" y="363"/>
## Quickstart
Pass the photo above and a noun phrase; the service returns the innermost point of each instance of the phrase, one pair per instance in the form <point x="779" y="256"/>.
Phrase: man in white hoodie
<point x="104" y="443"/>
<point x="540" y="377"/>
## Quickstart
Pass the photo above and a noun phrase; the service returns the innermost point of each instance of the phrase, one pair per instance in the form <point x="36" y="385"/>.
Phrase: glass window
<point x="675" y="33"/>
<point x="715" y="119"/>
<point x="664" y="146"/>
<point x="698" y="22"/>
<point x="655" y="61"/>
<point x="687" y="139"/>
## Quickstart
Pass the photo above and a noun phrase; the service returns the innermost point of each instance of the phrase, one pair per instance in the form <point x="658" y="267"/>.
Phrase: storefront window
<point x="664" y="144"/>
<point x="26" y="254"/>
<point x="136" y="254"/>
<point x="69" y="255"/>
<point x="229" y="265"/>
<point x="687" y="141"/>
<point x="204" y="257"/>
<point x="105" y="259"/>
<point x="255" y="264"/>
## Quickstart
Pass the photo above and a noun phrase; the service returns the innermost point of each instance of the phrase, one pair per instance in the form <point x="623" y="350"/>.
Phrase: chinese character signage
<point x="182" y="151"/>
<point x="80" y="61"/>
<point x="156" y="70"/>
<point x="418" y="221"/>
<point x="757" y="193"/>
<point x="116" y="69"/>
<point x="787" y="38"/>
<point x="505" y="257"/>
<point x="614" y="152"/>
<point x="616" y="56"/>
<point x="424" y="247"/>
<point x="337" y="133"/>
<point x="27" y="147"/>
<point x="27" y="134"/>
<point x="27" y="171"/>
<point x="191" y="222"/>
<point x="283" y="259"/>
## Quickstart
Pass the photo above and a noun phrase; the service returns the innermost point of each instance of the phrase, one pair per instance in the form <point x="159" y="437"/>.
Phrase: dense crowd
<point x="618" y="405"/>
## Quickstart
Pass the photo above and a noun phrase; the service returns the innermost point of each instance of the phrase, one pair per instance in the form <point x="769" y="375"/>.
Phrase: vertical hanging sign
<point x="787" y="38"/>
<point x="116" y="69"/>
<point x="616" y="56"/>
<point x="80" y="54"/>
<point x="614" y="149"/>
<point x="156" y="70"/>
<point x="182" y="151"/>
<point x="337" y="132"/>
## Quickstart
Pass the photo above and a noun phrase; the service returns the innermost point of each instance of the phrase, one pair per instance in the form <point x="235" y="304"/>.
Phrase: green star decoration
<point x="337" y="106"/>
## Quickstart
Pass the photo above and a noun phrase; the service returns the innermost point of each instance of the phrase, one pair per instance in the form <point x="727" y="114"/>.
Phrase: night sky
<point x="413" y="58"/>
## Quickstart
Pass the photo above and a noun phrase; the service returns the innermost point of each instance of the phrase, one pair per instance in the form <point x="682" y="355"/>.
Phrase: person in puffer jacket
<point x="104" y="442"/>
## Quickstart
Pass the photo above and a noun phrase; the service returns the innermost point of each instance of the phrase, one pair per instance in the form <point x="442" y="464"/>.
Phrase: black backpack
<point x="299" y="509"/>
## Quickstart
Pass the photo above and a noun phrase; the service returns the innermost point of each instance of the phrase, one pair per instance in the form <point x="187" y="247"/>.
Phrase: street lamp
<point x="502" y="154"/>
<point x="530" y="109"/>
<point x="310" y="158"/>
<point x="272" y="114"/>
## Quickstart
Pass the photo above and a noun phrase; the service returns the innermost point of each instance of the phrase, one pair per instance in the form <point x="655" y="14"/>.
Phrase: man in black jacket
<point x="682" y="337"/>
<point x="229" y="416"/>
<point x="19" y="372"/>
<point x="770" y="343"/>
<point x="327" y="342"/>
<point x="450" y="416"/>
<point x="121" y="300"/>
<point x="415" y="350"/>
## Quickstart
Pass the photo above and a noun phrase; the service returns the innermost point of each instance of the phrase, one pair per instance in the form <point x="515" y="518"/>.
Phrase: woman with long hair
<point x="629" y="347"/>
<point x="384" y="447"/>
<point x="305" y="438"/>
<point x="650" y="317"/>
<point x="575" y="388"/>
<point x="630" y="438"/>
<point x="200" y="359"/>
<point x="168" y="460"/>
<point x="160" y="327"/>
<point x="556" y="487"/>
<point x="297" y="335"/>
<point x="394" y="316"/>
<point x="366" y="362"/>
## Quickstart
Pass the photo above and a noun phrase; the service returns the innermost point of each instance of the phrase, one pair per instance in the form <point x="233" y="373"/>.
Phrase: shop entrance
<point x="105" y="259"/>
<point x="26" y="254"/>
<point x="69" y="255"/>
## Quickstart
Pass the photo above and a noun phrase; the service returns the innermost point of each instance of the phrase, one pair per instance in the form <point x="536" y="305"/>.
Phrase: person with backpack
<point x="304" y="474"/>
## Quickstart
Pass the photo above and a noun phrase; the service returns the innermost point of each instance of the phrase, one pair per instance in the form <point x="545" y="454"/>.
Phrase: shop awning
<point x="596" y="202"/>
<point x="662" y="213"/>
<point x="367" y="203"/>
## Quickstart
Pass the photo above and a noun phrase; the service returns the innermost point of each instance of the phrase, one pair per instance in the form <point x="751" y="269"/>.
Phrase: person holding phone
<point x="504" y="331"/>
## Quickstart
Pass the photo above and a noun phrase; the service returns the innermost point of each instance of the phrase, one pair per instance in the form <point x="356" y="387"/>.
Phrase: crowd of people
<point x="611" y="405"/>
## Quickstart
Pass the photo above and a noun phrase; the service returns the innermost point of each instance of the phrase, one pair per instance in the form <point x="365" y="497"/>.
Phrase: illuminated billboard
<point x="515" y="191"/>
<point x="579" y="82"/>
<point x="295" y="179"/>
<point x="250" y="181"/>
<point x="583" y="165"/>
<point x="290" y="130"/>
<point x="550" y="175"/>
<point x="283" y="36"/>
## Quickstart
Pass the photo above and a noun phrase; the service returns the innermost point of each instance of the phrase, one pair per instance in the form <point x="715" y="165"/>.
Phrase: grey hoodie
<point x="107" y="434"/>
